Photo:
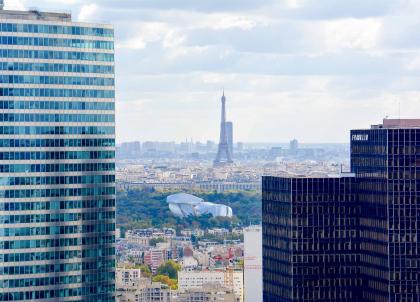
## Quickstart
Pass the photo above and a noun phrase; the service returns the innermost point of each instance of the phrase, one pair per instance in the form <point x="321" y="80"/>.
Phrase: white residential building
<point x="146" y="291"/>
<point x="209" y="292"/>
<point x="154" y="292"/>
<point x="127" y="277"/>
<point x="231" y="279"/>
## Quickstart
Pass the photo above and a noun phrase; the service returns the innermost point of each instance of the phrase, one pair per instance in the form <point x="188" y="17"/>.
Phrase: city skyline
<point x="281" y="64"/>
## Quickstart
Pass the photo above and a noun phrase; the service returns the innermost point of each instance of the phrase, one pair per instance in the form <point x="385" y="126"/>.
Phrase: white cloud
<point x="173" y="39"/>
<point x="87" y="12"/>
<point x="14" y="5"/>
<point x="293" y="4"/>
<point x="414" y="64"/>
<point x="359" y="34"/>
<point x="221" y="21"/>
<point x="150" y="32"/>
<point x="291" y="68"/>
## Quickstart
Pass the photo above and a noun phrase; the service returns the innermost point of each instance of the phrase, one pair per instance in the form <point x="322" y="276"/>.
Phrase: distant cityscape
<point x="190" y="165"/>
<point x="206" y="151"/>
<point x="226" y="166"/>
<point x="216" y="263"/>
<point x="85" y="220"/>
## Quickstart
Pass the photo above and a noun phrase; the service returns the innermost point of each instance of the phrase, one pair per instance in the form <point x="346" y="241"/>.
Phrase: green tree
<point x="148" y="208"/>
<point x="172" y="283"/>
<point x="145" y="270"/>
<point x="155" y="241"/>
<point x="170" y="268"/>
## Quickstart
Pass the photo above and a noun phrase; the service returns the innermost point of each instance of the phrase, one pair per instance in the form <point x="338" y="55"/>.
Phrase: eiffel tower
<point x="224" y="155"/>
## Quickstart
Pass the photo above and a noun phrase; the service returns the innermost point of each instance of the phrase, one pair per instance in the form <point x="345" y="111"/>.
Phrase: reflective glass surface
<point x="57" y="161"/>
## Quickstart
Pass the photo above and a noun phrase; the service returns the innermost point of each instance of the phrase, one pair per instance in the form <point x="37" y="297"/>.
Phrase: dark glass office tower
<point x="57" y="158"/>
<point x="310" y="251"/>
<point x="377" y="222"/>
<point x="386" y="160"/>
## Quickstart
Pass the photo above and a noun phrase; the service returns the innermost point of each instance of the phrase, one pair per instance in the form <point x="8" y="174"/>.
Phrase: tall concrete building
<point x="353" y="237"/>
<point x="253" y="264"/>
<point x="57" y="149"/>
<point x="294" y="146"/>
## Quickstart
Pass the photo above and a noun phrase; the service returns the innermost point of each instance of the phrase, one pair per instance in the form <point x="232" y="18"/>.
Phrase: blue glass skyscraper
<point x="57" y="140"/>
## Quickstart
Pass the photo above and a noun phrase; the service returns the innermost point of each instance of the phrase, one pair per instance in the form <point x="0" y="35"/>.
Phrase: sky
<point x="304" y="69"/>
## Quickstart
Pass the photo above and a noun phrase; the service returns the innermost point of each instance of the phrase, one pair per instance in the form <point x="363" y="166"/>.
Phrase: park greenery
<point x="172" y="283"/>
<point x="170" y="268"/>
<point x="167" y="274"/>
<point x="148" y="208"/>
<point x="218" y="238"/>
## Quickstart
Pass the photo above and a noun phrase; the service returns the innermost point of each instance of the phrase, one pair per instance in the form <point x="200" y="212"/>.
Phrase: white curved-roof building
<point x="184" y="205"/>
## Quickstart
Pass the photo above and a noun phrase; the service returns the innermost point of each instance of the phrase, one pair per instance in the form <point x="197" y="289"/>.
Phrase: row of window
<point x="57" y="255"/>
<point x="51" y="67"/>
<point x="57" y="155"/>
<point x="57" y="93"/>
<point x="57" y="29"/>
<point x="56" y="80"/>
<point x="57" y="118"/>
<point x="53" y="105"/>
<point x="45" y="168"/>
<point x="47" y="281"/>
<point x="57" y="205"/>
<point x="100" y="264"/>
<point x="57" y="130"/>
<point x="106" y="290"/>
<point x="46" y="243"/>
<point x="40" y="269"/>
<point x="56" y="42"/>
<point x="63" y="217"/>
<point x="57" y="143"/>
<point x="57" y="230"/>
<point x="59" y="192"/>
<point x="56" y="55"/>
<point x="56" y="180"/>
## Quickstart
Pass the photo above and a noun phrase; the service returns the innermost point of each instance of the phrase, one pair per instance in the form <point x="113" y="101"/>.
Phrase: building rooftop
<point x="35" y="15"/>
<point x="398" y="123"/>
<point x="324" y="176"/>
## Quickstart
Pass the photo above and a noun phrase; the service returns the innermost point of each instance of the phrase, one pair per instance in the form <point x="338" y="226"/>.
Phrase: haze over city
<point x="305" y="69"/>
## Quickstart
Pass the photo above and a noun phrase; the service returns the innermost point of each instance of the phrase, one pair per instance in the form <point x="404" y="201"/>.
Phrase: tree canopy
<point x="148" y="208"/>
<point x="172" y="283"/>
<point x="155" y="241"/>
<point x="170" y="268"/>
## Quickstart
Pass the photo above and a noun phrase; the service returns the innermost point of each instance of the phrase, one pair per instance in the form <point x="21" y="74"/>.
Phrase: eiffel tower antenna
<point x="224" y="155"/>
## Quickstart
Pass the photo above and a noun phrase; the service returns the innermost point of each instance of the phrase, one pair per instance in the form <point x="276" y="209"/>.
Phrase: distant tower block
<point x="229" y="134"/>
<point x="1" y="4"/>
<point x="224" y="154"/>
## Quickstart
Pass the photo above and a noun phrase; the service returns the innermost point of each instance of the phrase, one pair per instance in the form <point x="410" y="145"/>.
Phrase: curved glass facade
<point x="57" y="159"/>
